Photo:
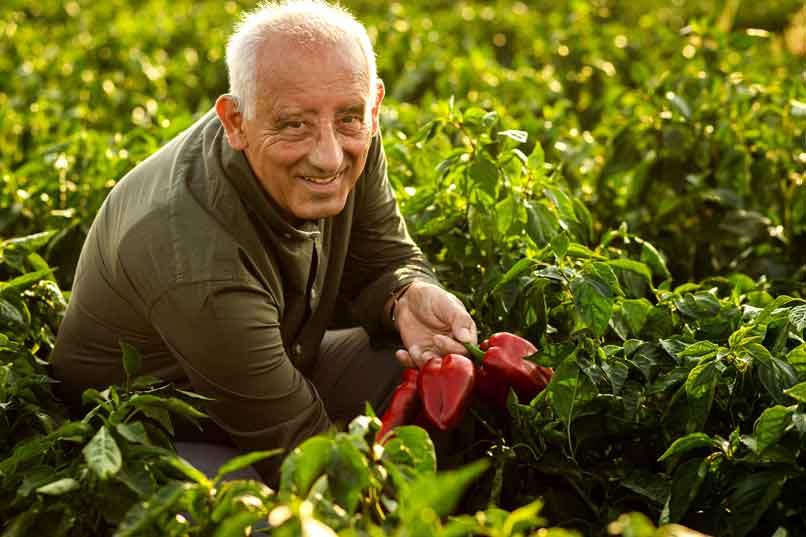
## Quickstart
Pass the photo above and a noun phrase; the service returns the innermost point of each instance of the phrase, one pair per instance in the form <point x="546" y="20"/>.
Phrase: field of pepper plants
<point x="621" y="183"/>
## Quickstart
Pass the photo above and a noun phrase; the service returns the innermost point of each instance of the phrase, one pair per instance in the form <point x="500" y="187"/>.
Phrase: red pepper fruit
<point x="502" y="366"/>
<point x="446" y="387"/>
<point x="404" y="404"/>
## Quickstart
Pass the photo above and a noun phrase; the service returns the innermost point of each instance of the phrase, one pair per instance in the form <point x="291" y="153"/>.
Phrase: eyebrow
<point x="356" y="108"/>
<point x="352" y="109"/>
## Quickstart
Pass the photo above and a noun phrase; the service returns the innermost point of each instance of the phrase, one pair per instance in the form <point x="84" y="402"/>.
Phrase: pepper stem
<point x="476" y="354"/>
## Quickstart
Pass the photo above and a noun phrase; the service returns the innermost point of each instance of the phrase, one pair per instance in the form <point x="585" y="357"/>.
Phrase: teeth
<point x="321" y="180"/>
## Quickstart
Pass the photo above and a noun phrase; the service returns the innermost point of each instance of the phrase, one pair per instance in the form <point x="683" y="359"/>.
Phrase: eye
<point x="292" y="124"/>
<point x="351" y="119"/>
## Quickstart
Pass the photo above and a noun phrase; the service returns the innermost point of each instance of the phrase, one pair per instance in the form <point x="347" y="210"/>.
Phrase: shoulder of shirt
<point x="162" y="235"/>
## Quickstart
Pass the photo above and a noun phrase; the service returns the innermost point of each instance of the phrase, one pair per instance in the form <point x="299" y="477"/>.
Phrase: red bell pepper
<point x="501" y="365"/>
<point x="404" y="404"/>
<point x="446" y="388"/>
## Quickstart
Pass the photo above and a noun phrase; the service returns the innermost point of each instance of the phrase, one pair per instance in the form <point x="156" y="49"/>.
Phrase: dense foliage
<point x="623" y="185"/>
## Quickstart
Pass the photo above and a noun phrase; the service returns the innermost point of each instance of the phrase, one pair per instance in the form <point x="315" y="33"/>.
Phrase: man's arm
<point x="398" y="280"/>
<point x="382" y="257"/>
<point x="226" y="336"/>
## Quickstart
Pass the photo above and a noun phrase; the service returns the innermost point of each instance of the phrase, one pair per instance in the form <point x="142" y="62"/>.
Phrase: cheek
<point x="283" y="155"/>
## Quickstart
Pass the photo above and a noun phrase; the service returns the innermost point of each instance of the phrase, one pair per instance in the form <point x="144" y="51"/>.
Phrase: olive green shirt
<point x="190" y="261"/>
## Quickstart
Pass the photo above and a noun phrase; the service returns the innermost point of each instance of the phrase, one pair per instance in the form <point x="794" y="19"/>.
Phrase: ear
<point x="376" y="108"/>
<point x="228" y="110"/>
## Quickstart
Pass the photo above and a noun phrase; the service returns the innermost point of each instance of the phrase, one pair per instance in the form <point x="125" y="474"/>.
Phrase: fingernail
<point x="414" y="351"/>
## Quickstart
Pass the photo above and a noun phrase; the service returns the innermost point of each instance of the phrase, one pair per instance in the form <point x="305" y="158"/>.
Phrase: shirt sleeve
<point x="226" y="336"/>
<point x="382" y="256"/>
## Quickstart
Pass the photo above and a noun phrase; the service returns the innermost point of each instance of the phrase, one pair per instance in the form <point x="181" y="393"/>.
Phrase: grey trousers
<point x="348" y="374"/>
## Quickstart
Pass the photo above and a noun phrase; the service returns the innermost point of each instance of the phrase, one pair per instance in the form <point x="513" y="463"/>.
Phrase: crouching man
<point x="227" y="256"/>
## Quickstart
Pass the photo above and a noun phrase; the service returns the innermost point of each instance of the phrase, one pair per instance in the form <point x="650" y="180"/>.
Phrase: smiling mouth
<point x="318" y="180"/>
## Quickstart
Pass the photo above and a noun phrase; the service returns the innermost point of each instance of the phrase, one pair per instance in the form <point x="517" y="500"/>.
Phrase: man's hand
<point x="431" y="322"/>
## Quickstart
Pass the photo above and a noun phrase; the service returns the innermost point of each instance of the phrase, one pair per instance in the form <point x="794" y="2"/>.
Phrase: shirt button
<point x="313" y="294"/>
<point x="297" y="350"/>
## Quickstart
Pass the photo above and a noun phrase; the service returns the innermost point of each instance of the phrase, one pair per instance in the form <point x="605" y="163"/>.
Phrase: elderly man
<point x="227" y="257"/>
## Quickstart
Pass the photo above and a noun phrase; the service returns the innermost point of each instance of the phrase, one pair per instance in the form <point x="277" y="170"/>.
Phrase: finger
<point x="405" y="358"/>
<point x="448" y="345"/>
<point x="463" y="327"/>
<point x="427" y="355"/>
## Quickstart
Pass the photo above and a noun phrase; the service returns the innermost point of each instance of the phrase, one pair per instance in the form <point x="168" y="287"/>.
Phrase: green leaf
<point x="58" y="487"/>
<point x="103" y="454"/>
<point x="412" y="447"/>
<point x="241" y="524"/>
<point x="565" y="209"/>
<point x="509" y="216"/>
<point x="797" y="392"/>
<point x="25" y="280"/>
<point x="146" y="403"/>
<point x="131" y="359"/>
<point x="30" y="242"/>
<point x="774" y="374"/>
<point x="133" y="432"/>
<point x="485" y="175"/>
<point x="304" y="465"/>
<point x="654" y="259"/>
<point x="187" y="469"/>
<point x="559" y="245"/>
<point x="633" y="266"/>
<point x="347" y="474"/>
<point x="439" y="493"/>
<point x="583" y="216"/>
<point x="680" y="104"/>
<point x="20" y="525"/>
<point x="652" y="486"/>
<point x="143" y="514"/>
<point x="515" y="271"/>
<point x="687" y="443"/>
<point x="616" y="373"/>
<point x="242" y="461"/>
<point x="771" y="426"/>
<point x="517" y="135"/>
<point x="541" y="224"/>
<point x="137" y="476"/>
<point x="10" y="317"/>
<point x="686" y="483"/>
<point x="635" y="312"/>
<point x="774" y="308"/>
<point x="636" y="524"/>
<point x="797" y="316"/>
<point x="155" y="412"/>
<point x="797" y="359"/>
<point x="699" y="349"/>
<point x="593" y="292"/>
<point x="753" y="495"/>
<point x="698" y="306"/>
<point x="524" y="518"/>
<point x="580" y="251"/>
<point x="563" y="388"/>
<point x="700" y="388"/>
<point x="537" y="161"/>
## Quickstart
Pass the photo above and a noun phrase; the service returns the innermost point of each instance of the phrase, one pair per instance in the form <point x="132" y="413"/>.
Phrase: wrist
<point x="393" y="308"/>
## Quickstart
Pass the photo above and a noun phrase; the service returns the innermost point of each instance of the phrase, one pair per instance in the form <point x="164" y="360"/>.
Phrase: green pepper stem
<point x="476" y="354"/>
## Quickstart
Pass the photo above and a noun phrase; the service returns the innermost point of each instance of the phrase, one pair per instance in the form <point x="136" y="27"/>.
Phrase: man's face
<point x="315" y="116"/>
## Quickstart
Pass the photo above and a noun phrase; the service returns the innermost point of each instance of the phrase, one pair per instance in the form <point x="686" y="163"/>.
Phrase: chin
<point x="321" y="210"/>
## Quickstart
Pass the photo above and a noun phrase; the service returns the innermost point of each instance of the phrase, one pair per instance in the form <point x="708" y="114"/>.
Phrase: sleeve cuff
<point x="368" y="308"/>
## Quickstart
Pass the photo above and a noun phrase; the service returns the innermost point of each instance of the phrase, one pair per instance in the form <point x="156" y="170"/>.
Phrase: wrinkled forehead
<point x="288" y="56"/>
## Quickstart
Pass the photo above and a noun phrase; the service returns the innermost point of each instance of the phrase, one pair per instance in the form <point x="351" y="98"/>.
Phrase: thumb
<point x="464" y="329"/>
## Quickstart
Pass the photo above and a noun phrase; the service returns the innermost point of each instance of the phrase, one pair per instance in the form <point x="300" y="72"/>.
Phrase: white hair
<point x="310" y="21"/>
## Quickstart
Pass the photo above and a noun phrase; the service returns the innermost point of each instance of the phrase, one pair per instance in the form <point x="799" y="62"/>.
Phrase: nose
<point x="327" y="154"/>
